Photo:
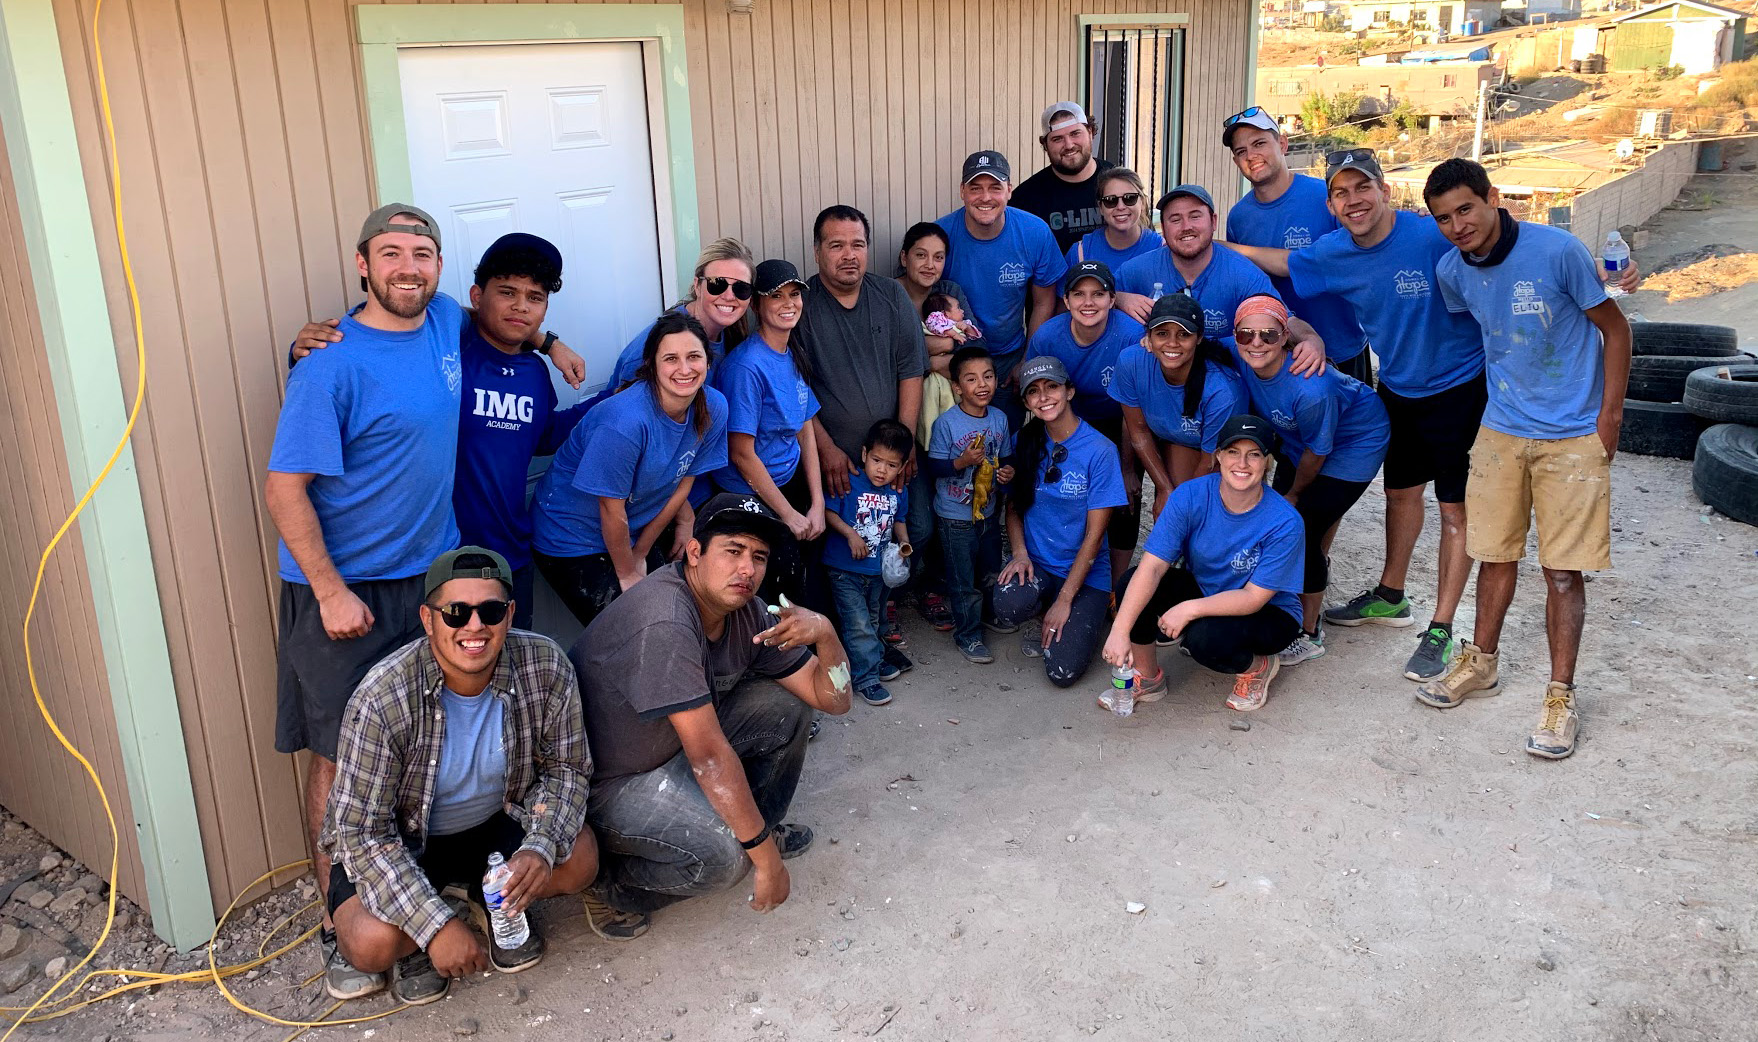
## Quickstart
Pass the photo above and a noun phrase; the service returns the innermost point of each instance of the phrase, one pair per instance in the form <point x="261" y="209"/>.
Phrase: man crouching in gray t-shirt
<point x="692" y="769"/>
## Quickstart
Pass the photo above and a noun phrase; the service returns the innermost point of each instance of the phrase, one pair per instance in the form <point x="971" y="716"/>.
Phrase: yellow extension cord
<point x="140" y="978"/>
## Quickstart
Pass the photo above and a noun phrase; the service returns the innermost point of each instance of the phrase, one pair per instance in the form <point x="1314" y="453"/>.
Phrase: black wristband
<point x="755" y="841"/>
<point x="548" y="339"/>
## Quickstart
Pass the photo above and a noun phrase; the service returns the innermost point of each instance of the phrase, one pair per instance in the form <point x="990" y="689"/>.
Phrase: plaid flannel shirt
<point x="388" y="757"/>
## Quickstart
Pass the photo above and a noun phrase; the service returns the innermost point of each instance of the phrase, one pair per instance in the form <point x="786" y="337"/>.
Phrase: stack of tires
<point x="1694" y="396"/>
<point x="1724" y="472"/>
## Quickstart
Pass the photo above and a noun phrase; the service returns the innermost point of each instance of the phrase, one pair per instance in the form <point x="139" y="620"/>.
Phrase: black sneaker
<point x="525" y="956"/>
<point x="613" y="924"/>
<point x="417" y="983"/>
<point x="341" y="979"/>
<point x="895" y="662"/>
<point x="791" y="839"/>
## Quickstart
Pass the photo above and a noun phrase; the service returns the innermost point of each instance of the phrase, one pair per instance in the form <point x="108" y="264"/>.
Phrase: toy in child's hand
<point x="982" y="484"/>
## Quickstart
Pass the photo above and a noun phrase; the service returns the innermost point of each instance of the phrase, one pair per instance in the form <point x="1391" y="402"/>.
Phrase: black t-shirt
<point x="646" y="657"/>
<point x="1070" y="208"/>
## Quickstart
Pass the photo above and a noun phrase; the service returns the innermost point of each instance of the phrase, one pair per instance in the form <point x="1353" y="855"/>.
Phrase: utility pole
<point x="1482" y="109"/>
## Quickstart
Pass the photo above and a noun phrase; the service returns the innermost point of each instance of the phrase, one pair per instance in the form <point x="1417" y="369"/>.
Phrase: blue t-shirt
<point x="1294" y="221"/>
<point x="1223" y="285"/>
<point x="1423" y="348"/>
<point x="1094" y="246"/>
<point x="1141" y="382"/>
<point x="630" y="359"/>
<point x="472" y="781"/>
<point x="629" y="449"/>
<point x="953" y="432"/>
<point x="375" y="417"/>
<point x="870" y="510"/>
<point x="998" y="274"/>
<point x="1545" y="357"/>
<point x="1093" y="367"/>
<point x="1056" y="524"/>
<point x="508" y="415"/>
<point x="1331" y="414"/>
<point x="1266" y="545"/>
<point x="767" y="398"/>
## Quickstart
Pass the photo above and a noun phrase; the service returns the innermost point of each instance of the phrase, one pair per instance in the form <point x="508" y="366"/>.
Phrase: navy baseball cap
<point x="1245" y="427"/>
<point x="986" y="162"/>
<point x="1197" y="192"/>
<point x="1091" y="270"/>
<point x="1181" y="308"/>
<point x="525" y="241"/>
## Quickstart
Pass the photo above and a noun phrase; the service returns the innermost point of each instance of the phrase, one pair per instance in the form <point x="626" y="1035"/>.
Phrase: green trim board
<point x="384" y="28"/>
<point x="37" y="115"/>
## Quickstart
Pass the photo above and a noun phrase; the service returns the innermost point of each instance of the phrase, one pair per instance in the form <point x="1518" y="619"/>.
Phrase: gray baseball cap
<point x="1361" y="159"/>
<point x="1070" y="111"/>
<point x="445" y="568"/>
<point x="380" y="221"/>
<point x="1197" y="192"/>
<point x="1043" y="367"/>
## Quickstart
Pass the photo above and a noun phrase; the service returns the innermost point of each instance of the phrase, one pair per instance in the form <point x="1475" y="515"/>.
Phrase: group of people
<point x="778" y="460"/>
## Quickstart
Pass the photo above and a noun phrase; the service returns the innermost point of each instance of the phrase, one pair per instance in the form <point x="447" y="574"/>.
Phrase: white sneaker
<point x="1303" y="648"/>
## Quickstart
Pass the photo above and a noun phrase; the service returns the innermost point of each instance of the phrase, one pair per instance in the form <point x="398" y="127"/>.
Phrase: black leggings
<point x="1124" y="530"/>
<point x="1223" y="643"/>
<point x="589" y="583"/>
<point x="1321" y="505"/>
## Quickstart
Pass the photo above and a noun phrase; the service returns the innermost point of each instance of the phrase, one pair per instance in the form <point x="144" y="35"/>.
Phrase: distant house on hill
<point x="1698" y="37"/>
<point x="1455" y="17"/>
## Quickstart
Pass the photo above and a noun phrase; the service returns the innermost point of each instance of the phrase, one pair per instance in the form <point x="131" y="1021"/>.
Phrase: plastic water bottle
<point x="510" y="931"/>
<point x="1159" y="291"/>
<point x="1122" y="690"/>
<point x="1616" y="258"/>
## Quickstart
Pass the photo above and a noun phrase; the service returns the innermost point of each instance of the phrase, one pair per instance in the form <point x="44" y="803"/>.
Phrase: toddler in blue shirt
<point x="870" y="516"/>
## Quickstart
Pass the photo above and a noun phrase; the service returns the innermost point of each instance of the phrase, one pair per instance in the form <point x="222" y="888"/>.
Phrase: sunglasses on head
<point x="1240" y="117"/>
<point x="1127" y="199"/>
<point x="1350" y="155"/>
<point x="1053" y="475"/>
<point x="457" y="614"/>
<point x="1269" y="337"/>
<point x="717" y="285"/>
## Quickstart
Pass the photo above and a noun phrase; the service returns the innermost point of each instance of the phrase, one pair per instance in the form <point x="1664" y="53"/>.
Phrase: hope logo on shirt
<point x="1191" y="426"/>
<point x="1296" y="236"/>
<point x="1013" y="274"/>
<point x="1282" y="420"/>
<point x="805" y="393"/>
<point x="1526" y="300"/>
<point x="1246" y="560"/>
<point x="1411" y="284"/>
<point x="1074" y="483"/>
<point x="684" y="462"/>
<point x="1215" y="319"/>
<point x="453" y="367"/>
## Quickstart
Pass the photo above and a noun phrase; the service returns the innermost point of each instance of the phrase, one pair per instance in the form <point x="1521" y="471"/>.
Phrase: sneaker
<point x="1303" y="649"/>
<point x="1473" y="674"/>
<point x="613" y="924"/>
<point x="1557" y="724"/>
<point x="937" y="612"/>
<point x="894" y="664"/>
<point x="1251" y="689"/>
<point x="1434" y="649"/>
<point x="341" y="979"/>
<point x="1031" y="640"/>
<point x="997" y="626"/>
<point x="1369" y="608"/>
<point x="792" y="840"/>
<point x="515" y="960"/>
<point x="1150" y="690"/>
<point x="976" y="651"/>
<point x="817" y="726"/>
<point x="417" y="982"/>
<point x="876" y="695"/>
<point x="890" y="631"/>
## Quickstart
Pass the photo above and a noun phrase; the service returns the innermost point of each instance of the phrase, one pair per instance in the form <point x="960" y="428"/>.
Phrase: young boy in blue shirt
<point x="868" y="517"/>
<point x="965" y="458"/>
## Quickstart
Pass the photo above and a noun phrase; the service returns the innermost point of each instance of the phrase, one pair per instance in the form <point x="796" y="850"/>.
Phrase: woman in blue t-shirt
<point x="1126" y="233"/>
<point x="623" y="478"/>
<point x="1176" y="390"/>
<point x="1334" y="435"/>
<point x="770" y="431"/>
<point x="1056" y="522"/>
<point x="1231" y="599"/>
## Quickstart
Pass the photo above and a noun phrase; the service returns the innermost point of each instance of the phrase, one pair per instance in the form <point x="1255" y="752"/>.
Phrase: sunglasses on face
<point x="457" y="614"/>
<point x="1053" y="475"/>
<point x="1127" y="199"/>
<point x="1269" y="337"/>
<point x="1349" y="155"/>
<point x="718" y="285"/>
<point x="1239" y="117"/>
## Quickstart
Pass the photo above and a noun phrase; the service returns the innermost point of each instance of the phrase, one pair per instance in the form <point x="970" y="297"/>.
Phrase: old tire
<point x="1659" y="429"/>
<point x="1683" y="339"/>
<point x="1661" y="378"/>
<point x="1724" y="401"/>
<point x="1724" y="473"/>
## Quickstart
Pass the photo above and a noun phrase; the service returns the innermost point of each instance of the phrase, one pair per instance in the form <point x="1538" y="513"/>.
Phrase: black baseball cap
<point x="986" y="162"/>
<point x="1197" y="192"/>
<point x="1181" y="308"/>
<point x="446" y="567"/>
<point x="524" y="241"/>
<point x="1248" y="428"/>
<point x="1091" y="270"/>
<point x="735" y="513"/>
<point x="771" y="275"/>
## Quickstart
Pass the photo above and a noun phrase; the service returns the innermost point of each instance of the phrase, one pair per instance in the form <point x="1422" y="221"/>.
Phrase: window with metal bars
<point x="1135" y="93"/>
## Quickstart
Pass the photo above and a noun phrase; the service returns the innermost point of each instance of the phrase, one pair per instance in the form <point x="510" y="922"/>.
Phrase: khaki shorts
<point x="1565" y="481"/>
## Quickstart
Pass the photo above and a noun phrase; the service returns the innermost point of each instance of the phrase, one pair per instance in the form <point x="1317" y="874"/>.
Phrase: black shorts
<point x="460" y="859"/>
<point x="1360" y="367"/>
<point x="1432" y="436"/>
<point x="317" y="675"/>
<point x="1124" y="530"/>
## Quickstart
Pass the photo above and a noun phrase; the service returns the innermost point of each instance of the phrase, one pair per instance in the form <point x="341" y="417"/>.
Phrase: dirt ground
<point x="1353" y="866"/>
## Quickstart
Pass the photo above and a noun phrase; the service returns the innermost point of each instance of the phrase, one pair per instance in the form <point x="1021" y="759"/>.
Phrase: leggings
<point x="1223" y="643"/>
<point x="1321" y="505"/>
<point x="1124" y="530"/>
<point x="1066" y="658"/>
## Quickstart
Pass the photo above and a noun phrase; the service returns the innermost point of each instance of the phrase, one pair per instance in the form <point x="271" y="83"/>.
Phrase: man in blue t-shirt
<point x="1558" y="355"/>
<point x="359" y="486"/>
<point x="1288" y="210"/>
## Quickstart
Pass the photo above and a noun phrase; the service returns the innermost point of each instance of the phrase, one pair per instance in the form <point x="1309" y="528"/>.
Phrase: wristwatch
<point x="548" y="339"/>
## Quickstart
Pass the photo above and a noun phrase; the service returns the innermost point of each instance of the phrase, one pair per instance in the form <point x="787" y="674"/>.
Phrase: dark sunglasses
<point x="1238" y="117"/>
<point x="1054" y="474"/>
<point x="1350" y="155"/>
<point x="1127" y="199"/>
<point x="717" y="285"/>
<point x="457" y="614"/>
<point x="1270" y="337"/>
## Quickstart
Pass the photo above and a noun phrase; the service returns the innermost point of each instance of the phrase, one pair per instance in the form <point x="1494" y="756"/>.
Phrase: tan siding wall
<point x="40" y="782"/>
<point x="241" y="131"/>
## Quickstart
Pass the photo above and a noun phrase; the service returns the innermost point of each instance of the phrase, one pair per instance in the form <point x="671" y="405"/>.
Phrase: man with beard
<point x="1217" y="277"/>
<point x="1064" y="194"/>
<point x="360" y="488"/>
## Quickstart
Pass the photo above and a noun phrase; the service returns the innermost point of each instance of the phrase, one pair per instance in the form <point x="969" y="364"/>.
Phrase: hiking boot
<point x="1557" y="723"/>
<point x="1303" y="648"/>
<point x="1031" y="639"/>
<point x="894" y="664"/>
<point x="876" y="695"/>
<point x="791" y="840"/>
<point x="1473" y="674"/>
<point x="937" y="612"/>
<point x="525" y="956"/>
<point x="1369" y="608"/>
<point x="1434" y="649"/>
<point x="341" y="979"/>
<point x="417" y="983"/>
<point x="1251" y="689"/>
<point x="976" y="651"/>
<point x="613" y="924"/>
<point x="890" y="631"/>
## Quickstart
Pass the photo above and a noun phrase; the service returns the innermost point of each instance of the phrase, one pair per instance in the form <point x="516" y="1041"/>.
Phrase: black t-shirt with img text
<point x="1070" y="208"/>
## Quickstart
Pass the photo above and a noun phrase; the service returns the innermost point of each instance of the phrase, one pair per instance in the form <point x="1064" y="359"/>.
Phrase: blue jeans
<point x="860" y="601"/>
<point x="973" y="554"/>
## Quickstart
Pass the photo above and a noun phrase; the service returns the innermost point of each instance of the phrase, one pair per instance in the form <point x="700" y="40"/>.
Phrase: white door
<point x="551" y="139"/>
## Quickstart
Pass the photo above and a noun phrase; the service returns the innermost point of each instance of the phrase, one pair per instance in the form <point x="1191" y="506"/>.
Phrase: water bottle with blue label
<point x="510" y="931"/>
